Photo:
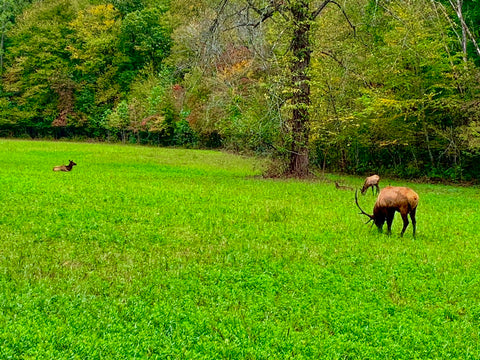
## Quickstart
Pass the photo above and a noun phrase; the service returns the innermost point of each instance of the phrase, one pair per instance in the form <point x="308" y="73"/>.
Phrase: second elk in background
<point x="371" y="181"/>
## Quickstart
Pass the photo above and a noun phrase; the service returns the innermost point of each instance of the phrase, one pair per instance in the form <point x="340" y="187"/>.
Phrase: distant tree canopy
<point x="374" y="86"/>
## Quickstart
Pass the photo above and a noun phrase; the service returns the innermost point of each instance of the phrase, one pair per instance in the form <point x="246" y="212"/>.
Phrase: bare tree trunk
<point x="458" y="8"/>
<point x="464" y="28"/>
<point x="301" y="56"/>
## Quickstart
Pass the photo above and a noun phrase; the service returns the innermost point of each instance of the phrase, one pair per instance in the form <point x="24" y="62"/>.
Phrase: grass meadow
<point x="145" y="252"/>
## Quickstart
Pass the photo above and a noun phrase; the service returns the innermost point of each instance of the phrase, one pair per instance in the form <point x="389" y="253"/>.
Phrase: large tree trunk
<point x="299" y="122"/>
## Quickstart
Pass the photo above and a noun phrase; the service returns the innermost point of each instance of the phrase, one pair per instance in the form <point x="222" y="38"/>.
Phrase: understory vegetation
<point x="164" y="253"/>
<point x="369" y="86"/>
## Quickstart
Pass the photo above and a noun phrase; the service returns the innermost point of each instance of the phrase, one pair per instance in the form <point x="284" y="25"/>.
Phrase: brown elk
<point x="391" y="199"/>
<point x="342" y="187"/>
<point x="371" y="181"/>
<point x="65" y="167"/>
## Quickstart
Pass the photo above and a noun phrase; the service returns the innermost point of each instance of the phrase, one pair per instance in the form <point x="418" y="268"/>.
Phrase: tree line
<point x="388" y="86"/>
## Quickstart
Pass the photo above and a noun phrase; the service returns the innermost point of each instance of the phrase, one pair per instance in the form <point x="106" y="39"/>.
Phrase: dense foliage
<point x="393" y="85"/>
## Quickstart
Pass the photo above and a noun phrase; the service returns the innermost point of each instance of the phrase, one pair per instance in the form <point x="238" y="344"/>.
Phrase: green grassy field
<point x="181" y="254"/>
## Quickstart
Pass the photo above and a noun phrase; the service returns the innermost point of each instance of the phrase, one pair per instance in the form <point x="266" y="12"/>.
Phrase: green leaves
<point x="404" y="87"/>
<point x="67" y="63"/>
<point x="37" y="61"/>
<point x="144" y="39"/>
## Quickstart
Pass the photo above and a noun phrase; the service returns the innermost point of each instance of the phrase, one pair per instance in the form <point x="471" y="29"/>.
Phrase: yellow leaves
<point x="75" y="54"/>
<point x="95" y="19"/>
<point x="109" y="23"/>
<point x="235" y="63"/>
<point x="388" y="143"/>
<point x="388" y="102"/>
<point x="238" y="68"/>
<point x="395" y="142"/>
<point x="96" y="29"/>
<point x="402" y="106"/>
<point x="101" y="9"/>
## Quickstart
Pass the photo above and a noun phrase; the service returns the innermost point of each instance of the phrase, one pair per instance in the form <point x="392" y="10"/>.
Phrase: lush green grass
<point x="182" y="254"/>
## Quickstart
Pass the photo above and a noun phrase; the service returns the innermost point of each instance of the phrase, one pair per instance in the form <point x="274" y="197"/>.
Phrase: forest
<point x="362" y="86"/>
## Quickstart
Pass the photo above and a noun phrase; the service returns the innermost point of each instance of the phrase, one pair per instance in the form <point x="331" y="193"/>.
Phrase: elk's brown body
<point x="371" y="181"/>
<point x="391" y="199"/>
<point x="65" y="167"/>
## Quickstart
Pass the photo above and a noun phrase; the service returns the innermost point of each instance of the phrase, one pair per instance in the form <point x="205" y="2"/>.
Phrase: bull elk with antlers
<point x="391" y="199"/>
<point x="65" y="167"/>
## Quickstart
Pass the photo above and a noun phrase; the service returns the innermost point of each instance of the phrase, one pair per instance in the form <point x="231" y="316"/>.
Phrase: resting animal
<point x="342" y="187"/>
<point x="65" y="167"/>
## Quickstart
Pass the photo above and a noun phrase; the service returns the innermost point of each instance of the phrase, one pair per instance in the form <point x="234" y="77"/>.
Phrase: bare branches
<point x="317" y="12"/>
<point x="261" y="14"/>
<point x="220" y="11"/>
<point x="264" y="13"/>
<point x="321" y="8"/>
<point x="273" y="7"/>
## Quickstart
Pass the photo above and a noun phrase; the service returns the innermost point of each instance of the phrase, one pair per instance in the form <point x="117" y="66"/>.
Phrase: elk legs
<point x="390" y="215"/>
<point x="414" y="221"/>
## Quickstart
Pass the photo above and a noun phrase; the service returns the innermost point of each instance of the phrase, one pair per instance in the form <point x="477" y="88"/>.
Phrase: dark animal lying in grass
<point x="65" y="167"/>
<point x="342" y="187"/>
<point x="371" y="181"/>
<point x="391" y="199"/>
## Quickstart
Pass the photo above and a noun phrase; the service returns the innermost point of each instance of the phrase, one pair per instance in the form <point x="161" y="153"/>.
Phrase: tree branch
<point x="216" y="21"/>
<point x="264" y="13"/>
<point x="322" y="7"/>
<point x="267" y="12"/>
